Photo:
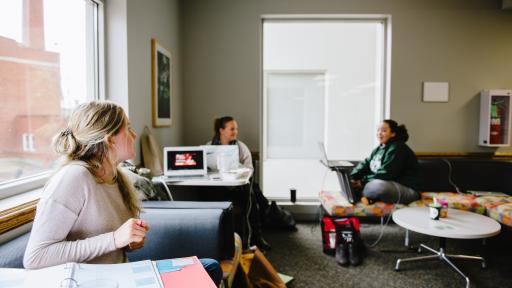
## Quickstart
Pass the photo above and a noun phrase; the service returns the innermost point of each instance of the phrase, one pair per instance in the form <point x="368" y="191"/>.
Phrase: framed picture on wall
<point x="161" y="87"/>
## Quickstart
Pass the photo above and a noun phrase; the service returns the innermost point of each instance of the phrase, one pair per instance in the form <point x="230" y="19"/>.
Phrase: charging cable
<point x="166" y="188"/>
<point x="248" y="213"/>
<point x="450" y="169"/>
<point x="384" y="225"/>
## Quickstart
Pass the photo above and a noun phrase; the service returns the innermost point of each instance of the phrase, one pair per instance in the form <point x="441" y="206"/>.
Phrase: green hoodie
<point x="391" y="161"/>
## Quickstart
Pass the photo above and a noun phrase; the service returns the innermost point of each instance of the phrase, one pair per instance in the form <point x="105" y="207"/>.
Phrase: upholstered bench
<point x="439" y="175"/>
<point x="496" y="207"/>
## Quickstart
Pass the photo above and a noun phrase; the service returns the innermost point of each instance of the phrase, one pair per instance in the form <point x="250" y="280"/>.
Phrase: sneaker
<point x="342" y="254"/>
<point x="354" y="254"/>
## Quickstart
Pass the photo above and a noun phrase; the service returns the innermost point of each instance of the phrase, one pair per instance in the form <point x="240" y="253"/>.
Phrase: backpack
<point x="278" y="218"/>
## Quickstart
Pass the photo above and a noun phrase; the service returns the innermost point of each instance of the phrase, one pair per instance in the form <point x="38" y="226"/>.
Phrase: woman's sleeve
<point x="362" y="169"/>
<point x="48" y="246"/>
<point x="245" y="155"/>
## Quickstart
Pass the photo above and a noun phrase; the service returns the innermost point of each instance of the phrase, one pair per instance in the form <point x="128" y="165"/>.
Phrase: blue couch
<point x="178" y="229"/>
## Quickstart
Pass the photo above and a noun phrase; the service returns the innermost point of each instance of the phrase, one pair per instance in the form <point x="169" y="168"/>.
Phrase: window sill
<point x="18" y="210"/>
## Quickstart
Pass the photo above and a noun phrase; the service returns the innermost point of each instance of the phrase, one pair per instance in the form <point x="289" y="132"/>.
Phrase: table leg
<point x="428" y="248"/>
<point x="442" y="256"/>
<point x="419" y="258"/>
<point x="466" y="257"/>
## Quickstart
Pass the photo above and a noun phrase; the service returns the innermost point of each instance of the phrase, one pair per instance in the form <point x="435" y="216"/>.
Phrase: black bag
<point x="278" y="218"/>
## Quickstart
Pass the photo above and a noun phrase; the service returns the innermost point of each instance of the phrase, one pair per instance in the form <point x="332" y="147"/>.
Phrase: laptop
<point x="225" y="155"/>
<point x="332" y="163"/>
<point x="185" y="163"/>
<point x="342" y="169"/>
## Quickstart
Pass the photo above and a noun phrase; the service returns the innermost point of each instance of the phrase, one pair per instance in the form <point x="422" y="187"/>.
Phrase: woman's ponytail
<point x="65" y="143"/>
<point x="401" y="133"/>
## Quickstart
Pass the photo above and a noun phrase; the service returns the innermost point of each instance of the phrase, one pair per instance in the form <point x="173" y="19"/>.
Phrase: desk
<point x="214" y="188"/>
<point x="213" y="179"/>
<point x="458" y="225"/>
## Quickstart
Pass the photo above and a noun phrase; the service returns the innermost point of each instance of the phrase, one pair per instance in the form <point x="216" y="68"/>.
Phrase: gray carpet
<point x="300" y="255"/>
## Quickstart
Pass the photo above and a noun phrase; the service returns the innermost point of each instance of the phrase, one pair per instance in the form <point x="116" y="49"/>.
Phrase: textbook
<point x="175" y="273"/>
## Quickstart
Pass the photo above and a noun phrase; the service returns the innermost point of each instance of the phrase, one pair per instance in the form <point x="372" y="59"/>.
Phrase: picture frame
<point x="161" y="84"/>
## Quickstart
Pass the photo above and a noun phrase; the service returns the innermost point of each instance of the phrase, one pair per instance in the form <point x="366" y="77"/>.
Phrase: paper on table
<point x="124" y="275"/>
<point x="25" y="278"/>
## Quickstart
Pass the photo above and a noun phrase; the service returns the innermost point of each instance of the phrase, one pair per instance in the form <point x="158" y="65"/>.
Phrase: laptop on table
<point x="225" y="155"/>
<point x="342" y="169"/>
<point x="185" y="163"/>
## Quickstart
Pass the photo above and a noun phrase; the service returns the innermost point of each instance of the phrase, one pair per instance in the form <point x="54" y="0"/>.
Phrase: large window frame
<point x="15" y="212"/>
<point x="383" y="112"/>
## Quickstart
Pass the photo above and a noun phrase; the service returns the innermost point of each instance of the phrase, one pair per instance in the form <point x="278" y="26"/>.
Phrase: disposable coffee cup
<point x="435" y="211"/>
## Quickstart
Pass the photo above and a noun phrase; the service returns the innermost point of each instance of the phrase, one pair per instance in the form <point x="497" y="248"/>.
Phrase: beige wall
<point x="467" y="43"/>
<point x="133" y="24"/>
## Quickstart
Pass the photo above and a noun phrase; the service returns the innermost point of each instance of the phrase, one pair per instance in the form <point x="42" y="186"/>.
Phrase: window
<point x="324" y="80"/>
<point x="49" y="63"/>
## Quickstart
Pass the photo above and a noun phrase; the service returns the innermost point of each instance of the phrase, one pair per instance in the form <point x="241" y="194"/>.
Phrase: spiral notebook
<point x="175" y="273"/>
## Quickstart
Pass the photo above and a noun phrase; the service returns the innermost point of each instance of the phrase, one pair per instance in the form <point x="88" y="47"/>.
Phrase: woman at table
<point x="389" y="174"/>
<point x="88" y="211"/>
<point x="225" y="133"/>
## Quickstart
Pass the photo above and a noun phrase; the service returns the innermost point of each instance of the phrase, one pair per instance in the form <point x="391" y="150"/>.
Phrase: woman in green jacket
<point x="390" y="173"/>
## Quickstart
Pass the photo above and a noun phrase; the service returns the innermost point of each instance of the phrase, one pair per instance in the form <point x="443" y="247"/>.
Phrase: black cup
<point x="293" y="195"/>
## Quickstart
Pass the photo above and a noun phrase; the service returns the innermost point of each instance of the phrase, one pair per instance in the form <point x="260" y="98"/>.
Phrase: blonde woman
<point x="88" y="210"/>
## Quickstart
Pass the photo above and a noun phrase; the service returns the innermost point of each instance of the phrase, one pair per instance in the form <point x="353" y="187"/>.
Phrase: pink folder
<point x="188" y="276"/>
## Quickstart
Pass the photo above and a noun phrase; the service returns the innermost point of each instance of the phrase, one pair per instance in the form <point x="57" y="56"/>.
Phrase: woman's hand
<point x="132" y="231"/>
<point x="137" y="245"/>
<point x="356" y="184"/>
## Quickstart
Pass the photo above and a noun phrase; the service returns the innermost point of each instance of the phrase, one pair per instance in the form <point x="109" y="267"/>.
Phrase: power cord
<point x="384" y="225"/>
<point x="166" y="188"/>
<point x="450" y="169"/>
<point x="247" y="214"/>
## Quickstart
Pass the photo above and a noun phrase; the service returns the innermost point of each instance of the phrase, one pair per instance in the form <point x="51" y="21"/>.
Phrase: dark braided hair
<point x="399" y="130"/>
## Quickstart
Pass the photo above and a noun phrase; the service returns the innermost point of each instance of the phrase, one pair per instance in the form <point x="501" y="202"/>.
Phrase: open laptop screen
<point x="184" y="161"/>
<point x="228" y="155"/>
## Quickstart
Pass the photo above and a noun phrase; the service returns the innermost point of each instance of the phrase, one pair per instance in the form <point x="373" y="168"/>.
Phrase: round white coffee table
<point x="458" y="225"/>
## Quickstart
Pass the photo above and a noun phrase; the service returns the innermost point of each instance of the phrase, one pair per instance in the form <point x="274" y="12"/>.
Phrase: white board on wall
<point x="436" y="91"/>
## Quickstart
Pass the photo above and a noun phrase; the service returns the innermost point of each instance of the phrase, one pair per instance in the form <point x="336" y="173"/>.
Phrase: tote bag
<point x="151" y="152"/>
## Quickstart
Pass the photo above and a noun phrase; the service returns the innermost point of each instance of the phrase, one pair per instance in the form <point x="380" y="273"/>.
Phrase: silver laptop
<point x="342" y="169"/>
<point x="185" y="163"/>
<point x="223" y="155"/>
<point x="332" y="163"/>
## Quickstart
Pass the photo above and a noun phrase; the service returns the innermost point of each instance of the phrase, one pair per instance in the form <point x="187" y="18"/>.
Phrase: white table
<point x="213" y="179"/>
<point x="458" y="225"/>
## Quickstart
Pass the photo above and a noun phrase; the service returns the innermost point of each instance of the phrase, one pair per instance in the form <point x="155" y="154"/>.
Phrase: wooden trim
<point x="467" y="155"/>
<point x="17" y="216"/>
<point x="479" y="155"/>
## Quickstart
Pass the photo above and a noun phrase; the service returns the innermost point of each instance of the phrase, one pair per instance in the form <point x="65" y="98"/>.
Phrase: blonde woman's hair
<point x="84" y="139"/>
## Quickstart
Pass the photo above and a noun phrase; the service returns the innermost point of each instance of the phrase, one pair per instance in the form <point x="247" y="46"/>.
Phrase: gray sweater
<point x="75" y="220"/>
